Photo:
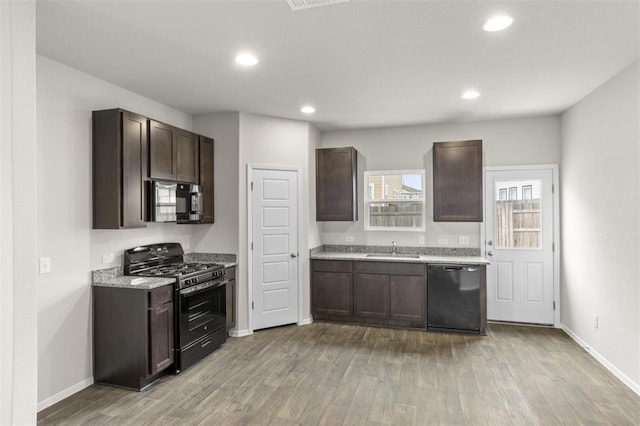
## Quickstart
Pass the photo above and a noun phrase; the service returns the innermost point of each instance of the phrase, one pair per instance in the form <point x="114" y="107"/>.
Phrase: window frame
<point x="367" y="200"/>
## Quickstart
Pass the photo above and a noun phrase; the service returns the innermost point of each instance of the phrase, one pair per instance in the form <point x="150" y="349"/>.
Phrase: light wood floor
<point x="336" y="374"/>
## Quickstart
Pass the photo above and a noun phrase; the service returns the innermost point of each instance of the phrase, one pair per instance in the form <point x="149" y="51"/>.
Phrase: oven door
<point x="202" y="311"/>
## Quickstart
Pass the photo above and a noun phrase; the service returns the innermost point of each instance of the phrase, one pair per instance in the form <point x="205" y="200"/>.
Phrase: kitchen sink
<point x="400" y="256"/>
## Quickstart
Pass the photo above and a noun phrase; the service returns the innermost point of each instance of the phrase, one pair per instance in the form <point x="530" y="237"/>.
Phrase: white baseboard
<point x="240" y="333"/>
<point x="306" y="321"/>
<point x="635" y="387"/>
<point x="64" y="394"/>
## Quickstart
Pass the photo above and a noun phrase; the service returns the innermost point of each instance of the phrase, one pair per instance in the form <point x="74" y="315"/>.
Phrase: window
<point x="394" y="200"/>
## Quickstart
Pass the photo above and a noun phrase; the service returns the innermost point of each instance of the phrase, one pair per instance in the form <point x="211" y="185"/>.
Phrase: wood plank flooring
<point x="336" y="374"/>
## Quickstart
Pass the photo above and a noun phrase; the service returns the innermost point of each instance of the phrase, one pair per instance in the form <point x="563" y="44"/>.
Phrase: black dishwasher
<point x="453" y="298"/>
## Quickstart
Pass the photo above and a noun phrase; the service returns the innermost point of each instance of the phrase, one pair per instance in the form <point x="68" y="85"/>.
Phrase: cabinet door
<point x="134" y="169"/>
<point x="162" y="151"/>
<point x="372" y="296"/>
<point x="336" y="183"/>
<point x="231" y="297"/>
<point x="206" y="179"/>
<point x="407" y="296"/>
<point x="457" y="181"/>
<point x="160" y="337"/>
<point x="187" y="154"/>
<point x="332" y="294"/>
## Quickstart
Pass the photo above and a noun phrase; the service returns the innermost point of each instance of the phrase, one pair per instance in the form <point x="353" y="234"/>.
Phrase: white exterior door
<point x="275" y="247"/>
<point x="519" y="242"/>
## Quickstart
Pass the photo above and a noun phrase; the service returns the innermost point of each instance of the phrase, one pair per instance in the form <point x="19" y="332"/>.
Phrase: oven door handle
<point x="199" y="288"/>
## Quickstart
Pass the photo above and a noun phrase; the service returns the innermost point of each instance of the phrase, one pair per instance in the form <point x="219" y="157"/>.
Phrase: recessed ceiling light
<point x="247" y="59"/>
<point x="308" y="109"/>
<point x="498" y="23"/>
<point x="470" y="94"/>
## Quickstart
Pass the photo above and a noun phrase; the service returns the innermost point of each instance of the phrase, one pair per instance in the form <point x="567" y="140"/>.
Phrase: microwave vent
<point x="306" y="4"/>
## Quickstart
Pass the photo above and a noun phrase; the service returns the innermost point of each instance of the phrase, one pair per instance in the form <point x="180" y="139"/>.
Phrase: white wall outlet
<point x="348" y="238"/>
<point x="45" y="265"/>
<point x="443" y="241"/>
<point x="595" y="320"/>
<point x="107" y="258"/>
<point x="463" y="240"/>
<point x="421" y="239"/>
<point x="186" y="246"/>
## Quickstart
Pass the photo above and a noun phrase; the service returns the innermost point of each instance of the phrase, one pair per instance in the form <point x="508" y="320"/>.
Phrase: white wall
<point x="600" y="238"/>
<point x="66" y="98"/>
<point x="276" y="142"/>
<point x="534" y="140"/>
<point x="222" y="236"/>
<point x="18" y="241"/>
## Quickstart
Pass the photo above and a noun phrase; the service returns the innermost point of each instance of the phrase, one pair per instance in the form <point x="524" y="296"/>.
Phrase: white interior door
<point x="519" y="235"/>
<point x="275" y="247"/>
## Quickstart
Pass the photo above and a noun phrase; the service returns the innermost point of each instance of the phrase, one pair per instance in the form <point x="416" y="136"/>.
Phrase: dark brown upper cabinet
<point x="173" y="153"/>
<point x="457" y="181"/>
<point x="206" y="179"/>
<point x="336" y="184"/>
<point x="162" y="151"/>
<point x="119" y="169"/>
<point x="188" y="154"/>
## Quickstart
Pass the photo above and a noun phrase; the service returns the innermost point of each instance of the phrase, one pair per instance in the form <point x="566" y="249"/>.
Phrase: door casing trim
<point x="555" y="196"/>
<point x="249" y="266"/>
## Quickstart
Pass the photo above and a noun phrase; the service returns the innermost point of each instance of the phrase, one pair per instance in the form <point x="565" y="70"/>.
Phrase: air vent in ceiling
<point x="306" y="4"/>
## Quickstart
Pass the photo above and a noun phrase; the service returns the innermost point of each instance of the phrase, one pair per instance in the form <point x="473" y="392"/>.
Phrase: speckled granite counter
<point x="459" y="256"/>
<point x="113" y="277"/>
<point x="141" y="283"/>
<point x="458" y="260"/>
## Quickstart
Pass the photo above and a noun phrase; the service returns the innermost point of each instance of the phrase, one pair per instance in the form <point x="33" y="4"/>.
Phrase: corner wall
<point x="18" y="240"/>
<point x="599" y="182"/>
<point x="65" y="99"/>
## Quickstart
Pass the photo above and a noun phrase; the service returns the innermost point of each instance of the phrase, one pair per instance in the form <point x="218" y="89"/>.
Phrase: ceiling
<point x="360" y="63"/>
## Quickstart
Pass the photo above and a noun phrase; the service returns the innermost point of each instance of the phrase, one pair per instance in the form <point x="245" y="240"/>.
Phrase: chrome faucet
<point x="393" y="248"/>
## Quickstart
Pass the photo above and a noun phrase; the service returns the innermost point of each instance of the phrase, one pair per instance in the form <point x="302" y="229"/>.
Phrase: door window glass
<point x="518" y="216"/>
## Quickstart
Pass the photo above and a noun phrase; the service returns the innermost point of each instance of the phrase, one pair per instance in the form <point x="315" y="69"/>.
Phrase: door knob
<point x="490" y="253"/>
<point x="293" y="255"/>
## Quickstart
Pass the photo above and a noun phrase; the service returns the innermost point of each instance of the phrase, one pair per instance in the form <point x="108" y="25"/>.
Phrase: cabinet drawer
<point x="332" y="266"/>
<point x="161" y="295"/>
<point x="392" y="268"/>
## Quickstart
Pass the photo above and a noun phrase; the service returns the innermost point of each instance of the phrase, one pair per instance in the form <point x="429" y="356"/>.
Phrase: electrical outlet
<point x="45" y="265"/>
<point x="186" y="246"/>
<point x="463" y="240"/>
<point x="443" y="241"/>
<point x="421" y="239"/>
<point x="107" y="258"/>
<point x="348" y="238"/>
<point x="595" y="320"/>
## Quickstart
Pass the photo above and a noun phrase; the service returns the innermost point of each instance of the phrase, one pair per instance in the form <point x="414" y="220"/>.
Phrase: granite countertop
<point x="388" y="257"/>
<point x="113" y="277"/>
<point x="126" y="281"/>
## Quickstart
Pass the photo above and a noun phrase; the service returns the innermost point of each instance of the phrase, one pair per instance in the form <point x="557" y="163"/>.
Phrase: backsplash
<point x="427" y="251"/>
<point x="210" y="257"/>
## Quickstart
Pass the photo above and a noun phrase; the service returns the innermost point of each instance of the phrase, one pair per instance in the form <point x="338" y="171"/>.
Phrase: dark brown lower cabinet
<point x="332" y="290"/>
<point x="390" y="293"/>
<point x="231" y="297"/>
<point x="132" y="335"/>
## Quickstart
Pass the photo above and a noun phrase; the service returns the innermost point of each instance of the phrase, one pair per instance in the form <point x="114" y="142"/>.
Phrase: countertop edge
<point x="459" y="260"/>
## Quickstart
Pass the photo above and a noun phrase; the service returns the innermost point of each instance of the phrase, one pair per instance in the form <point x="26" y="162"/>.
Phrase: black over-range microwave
<point x="174" y="202"/>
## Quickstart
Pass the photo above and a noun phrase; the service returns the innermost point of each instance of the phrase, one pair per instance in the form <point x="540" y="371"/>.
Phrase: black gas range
<point x="200" y="321"/>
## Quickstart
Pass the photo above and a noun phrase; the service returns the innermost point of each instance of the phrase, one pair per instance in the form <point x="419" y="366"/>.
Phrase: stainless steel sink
<point x="399" y="256"/>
